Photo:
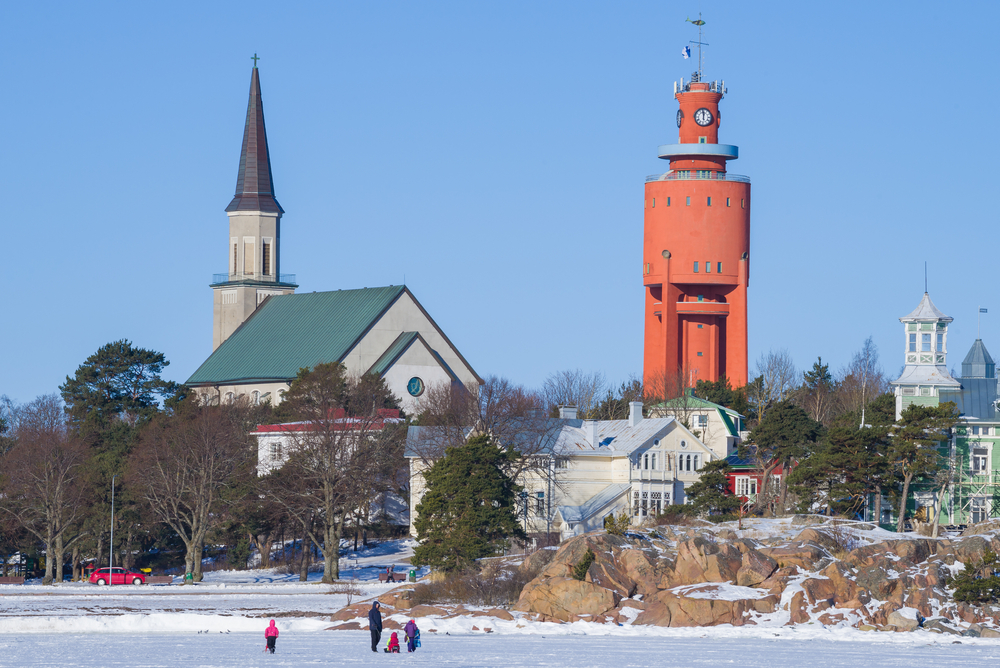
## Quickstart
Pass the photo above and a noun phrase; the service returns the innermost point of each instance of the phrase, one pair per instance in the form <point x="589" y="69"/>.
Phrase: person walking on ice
<point x="412" y="636"/>
<point x="271" y="636"/>
<point x="375" y="625"/>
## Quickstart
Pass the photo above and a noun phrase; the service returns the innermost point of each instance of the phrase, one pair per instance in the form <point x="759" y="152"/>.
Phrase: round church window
<point x="415" y="387"/>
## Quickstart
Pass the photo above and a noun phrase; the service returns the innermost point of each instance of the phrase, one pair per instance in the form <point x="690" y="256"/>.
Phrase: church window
<point x="913" y="343"/>
<point x="236" y="261"/>
<point x="689" y="201"/>
<point x="255" y="397"/>
<point x="702" y="140"/>
<point x="925" y="343"/>
<point x="265" y="259"/>
<point x="249" y="256"/>
<point x="701" y="420"/>
<point x="230" y="397"/>
<point x="696" y="267"/>
<point x="696" y="465"/>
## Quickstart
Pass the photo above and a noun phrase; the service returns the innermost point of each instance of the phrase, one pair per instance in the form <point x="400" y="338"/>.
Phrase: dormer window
<point x="913" y="343"/>
<point x="925" y="343"/>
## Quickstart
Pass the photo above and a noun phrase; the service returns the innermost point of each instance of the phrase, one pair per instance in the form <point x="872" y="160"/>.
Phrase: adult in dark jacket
<point x="375" y="625"/>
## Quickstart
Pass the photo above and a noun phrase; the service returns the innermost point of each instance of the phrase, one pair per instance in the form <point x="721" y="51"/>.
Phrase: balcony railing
<point x="697" y="175"/>
<point x="259" y="278"/>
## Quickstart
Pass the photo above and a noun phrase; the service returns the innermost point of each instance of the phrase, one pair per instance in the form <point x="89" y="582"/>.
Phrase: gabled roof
<point x="254" y="185"/>
<point x="978" y="363"/>
<point x="926" y="311"/>
<point x="400" y="346"/>
<point x="290" y="332"/>
<point x="692" y="402"/>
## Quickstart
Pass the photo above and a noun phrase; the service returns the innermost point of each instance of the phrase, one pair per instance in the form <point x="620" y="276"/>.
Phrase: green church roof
<point x="290" y="332"/>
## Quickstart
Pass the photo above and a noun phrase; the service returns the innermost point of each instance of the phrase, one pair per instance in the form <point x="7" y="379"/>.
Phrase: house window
<point x="925" y="391"/>
<point x="645" y="502"/>
<point x="979" y="513"/>
<point x="652" y="461"/>
<point x="913" y="343"/>
<point x="743" y="203"/>
<point x="654" y="203"/>
<point x="975" y="431"/>
<point x="940" y="341"/>
<point x="702" y="140"/>
<point x="909" y="391"/>
<point x="925" y="343"/>
<point x="635" y="504"/>
<point x="230" y="397"/>
<point x="265" y="260"/>
<point x="708" y="267"/>
<point x="700" y="354"/>
<point x="718" y="267"/>
<point x="701" y="326"/>
<point x="746" y="486"/>
<point x="980" y="460"/>
<point x="562" y="463"/>
<point x="689" y="201"/>
<point x="655" y="502"/>
<point x="275" y="452"/>
<point x="710" y="201"/>
<point x="701" y="298"/>
<point x="645" y="462"/>
<point x="668" y="201"/>
<point x="696" y="267"/>
<point x="701" y="420"/>
<point x="540" y="504"/>
<point x="727" y="201"/>
<point x="255" y="397"/>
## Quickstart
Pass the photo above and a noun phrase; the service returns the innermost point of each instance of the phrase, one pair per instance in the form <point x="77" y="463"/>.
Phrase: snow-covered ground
<point x="691" y="647"/>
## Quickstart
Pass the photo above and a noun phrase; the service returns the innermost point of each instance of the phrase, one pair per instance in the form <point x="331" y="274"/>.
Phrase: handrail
<point x="259" y="278"/>
<point x="697" y="175"/>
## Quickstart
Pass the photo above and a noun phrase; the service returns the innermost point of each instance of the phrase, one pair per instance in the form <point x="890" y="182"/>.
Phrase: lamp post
<point x="111" y="547"/>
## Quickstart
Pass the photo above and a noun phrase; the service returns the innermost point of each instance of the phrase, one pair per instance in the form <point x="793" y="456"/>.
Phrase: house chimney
<point x="567" y="412"/>
<point x="634" y="413"/>
<point x="590" y="431"/>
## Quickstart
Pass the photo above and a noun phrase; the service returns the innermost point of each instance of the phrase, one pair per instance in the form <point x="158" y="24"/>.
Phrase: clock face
<point x="415" y="387"/>
<point x="680" y="116"/>
<point x="703" y="116"/>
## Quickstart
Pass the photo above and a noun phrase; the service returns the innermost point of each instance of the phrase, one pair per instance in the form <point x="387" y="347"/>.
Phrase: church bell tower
<point x="253" y="250"/>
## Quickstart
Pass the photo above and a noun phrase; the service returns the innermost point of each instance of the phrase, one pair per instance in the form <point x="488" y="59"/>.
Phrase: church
<point x="263" y="332"/>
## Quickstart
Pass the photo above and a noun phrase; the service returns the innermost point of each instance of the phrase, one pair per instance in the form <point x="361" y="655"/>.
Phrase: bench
<point x="159" y="579"/>
<point x="12" y="580"/>
<point x="392" y="577"/>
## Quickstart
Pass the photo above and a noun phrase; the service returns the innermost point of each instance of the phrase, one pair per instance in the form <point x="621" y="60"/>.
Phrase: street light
<point x="111" y="550"/>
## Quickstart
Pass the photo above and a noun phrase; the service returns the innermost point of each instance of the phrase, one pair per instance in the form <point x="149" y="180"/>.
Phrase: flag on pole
<point x="686" y="52"/>
<point x="982" y="310"/>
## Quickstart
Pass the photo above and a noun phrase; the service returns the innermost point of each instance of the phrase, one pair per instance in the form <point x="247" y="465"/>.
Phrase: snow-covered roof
<point x="926" y="374"/>
<point x="595" y="504"/>
<point x="926" y="311"/>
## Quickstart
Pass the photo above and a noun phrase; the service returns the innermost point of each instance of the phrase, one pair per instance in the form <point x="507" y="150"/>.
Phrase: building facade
<point x="696" y="251"/>
<point x="593" y="469"/>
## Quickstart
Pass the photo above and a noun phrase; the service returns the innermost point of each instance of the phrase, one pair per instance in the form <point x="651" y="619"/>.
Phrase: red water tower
<point x="696" y="252"/>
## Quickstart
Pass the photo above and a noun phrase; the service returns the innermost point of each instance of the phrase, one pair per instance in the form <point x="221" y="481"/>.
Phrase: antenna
<point x="700" y="43"/>
<point x="979" y="320"/>
<point x="925" y="277"/>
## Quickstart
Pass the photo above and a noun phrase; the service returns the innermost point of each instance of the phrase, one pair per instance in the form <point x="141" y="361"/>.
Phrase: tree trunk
<point x="878" y="505"/>
<point x="306" y="557"/>
<point x="75" y="556"/>
<point x="190" y="555"/>
<point x="264" y="549"/>
<point x="902" y="502"/>
<point x="49" y="544"/>
<point x="59" y="557"/>
<point x="785" y="465"/>
<point x="197" y="564"/>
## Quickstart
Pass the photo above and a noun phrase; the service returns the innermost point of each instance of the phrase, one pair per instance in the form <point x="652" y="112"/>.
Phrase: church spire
<point x="254" y="185"/>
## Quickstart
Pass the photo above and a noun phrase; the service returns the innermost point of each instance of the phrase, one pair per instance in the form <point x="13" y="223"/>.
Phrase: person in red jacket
<point x="271" y="635"/>
<point x="393" y="646"/>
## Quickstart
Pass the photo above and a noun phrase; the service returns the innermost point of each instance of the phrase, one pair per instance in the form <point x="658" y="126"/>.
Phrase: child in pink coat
<point x="271" y="635"/>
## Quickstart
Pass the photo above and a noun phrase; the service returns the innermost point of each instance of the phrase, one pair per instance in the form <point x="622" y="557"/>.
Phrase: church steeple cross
<point x="254" y="58"/>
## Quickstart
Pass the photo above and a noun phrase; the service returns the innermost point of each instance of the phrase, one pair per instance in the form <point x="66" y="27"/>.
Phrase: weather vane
<point x="254" y="58"/>
<point x="700" y="43"/>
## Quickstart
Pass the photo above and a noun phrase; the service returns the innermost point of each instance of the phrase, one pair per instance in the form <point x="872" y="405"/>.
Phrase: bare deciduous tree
<point x="183" y="462"/>
<point x="863" y="379"/>
<point x="775" y="377"/>
<point x="575" y="388"/>
<point x="44" y="488"/>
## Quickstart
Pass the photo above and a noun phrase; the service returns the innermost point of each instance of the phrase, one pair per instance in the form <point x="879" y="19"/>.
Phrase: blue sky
<point x="494" y="154"/>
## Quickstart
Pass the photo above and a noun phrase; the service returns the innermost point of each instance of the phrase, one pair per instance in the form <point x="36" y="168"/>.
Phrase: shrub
<point x="496" y="584"/>
<point x="581" y="568"/>
<point x="617" y="526"/>
<point x="677" y="515"/>
<point x="979" y="582"/>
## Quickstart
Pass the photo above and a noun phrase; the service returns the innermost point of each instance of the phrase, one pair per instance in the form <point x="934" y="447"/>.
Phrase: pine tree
<point x="468" y="511"/>
<point x="711" y="493"/>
